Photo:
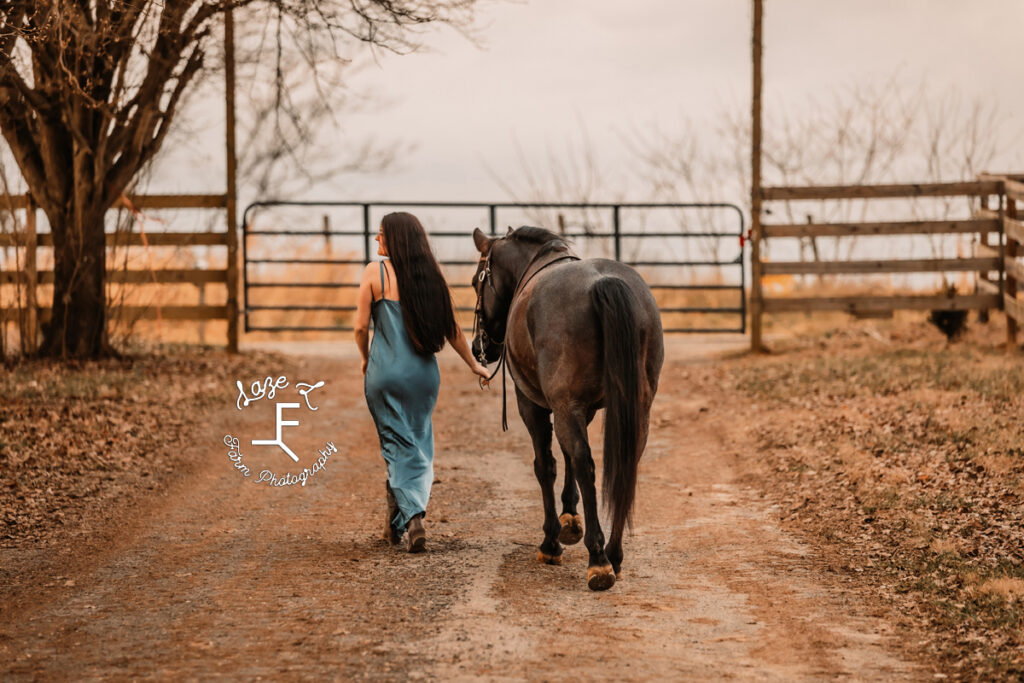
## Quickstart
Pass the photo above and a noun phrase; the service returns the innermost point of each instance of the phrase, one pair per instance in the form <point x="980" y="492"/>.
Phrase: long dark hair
<point x="425" y="298"/>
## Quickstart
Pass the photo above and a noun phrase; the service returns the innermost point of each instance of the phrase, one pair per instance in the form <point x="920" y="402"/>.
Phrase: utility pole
<point x="232" y="187"/>
<point x="756" y="298"/>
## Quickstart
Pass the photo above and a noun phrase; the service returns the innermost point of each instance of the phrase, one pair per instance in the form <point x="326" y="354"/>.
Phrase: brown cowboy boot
<point x="417" y="534"/>
<point x="391" y="534"/>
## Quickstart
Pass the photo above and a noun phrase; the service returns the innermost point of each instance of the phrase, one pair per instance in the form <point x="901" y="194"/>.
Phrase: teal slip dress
<point x="401" y="389"/>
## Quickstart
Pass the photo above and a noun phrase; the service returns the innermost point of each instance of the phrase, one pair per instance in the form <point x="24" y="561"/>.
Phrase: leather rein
<point x="478" y="329"/>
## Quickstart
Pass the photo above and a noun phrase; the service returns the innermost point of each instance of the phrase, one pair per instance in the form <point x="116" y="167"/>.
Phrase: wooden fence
<point x="1000" y="256"/>
<point x="33" y="311"/>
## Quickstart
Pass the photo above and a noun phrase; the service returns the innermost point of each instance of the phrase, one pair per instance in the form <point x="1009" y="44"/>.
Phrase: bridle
<point x="480" y="333"/>
<point x="487" y="278"/>
<point x="478" y="327"/>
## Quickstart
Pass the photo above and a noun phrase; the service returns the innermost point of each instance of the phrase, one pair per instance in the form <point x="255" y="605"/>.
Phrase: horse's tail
<point x="616" y="307"/>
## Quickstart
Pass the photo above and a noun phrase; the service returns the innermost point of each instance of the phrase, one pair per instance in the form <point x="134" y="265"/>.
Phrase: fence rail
<point x="157" y="276"/>
<point x="130" y="239"/>
<point x="143" y="313"/>
<point x="970" y="188"/>
<point x="142" y="201"/>
<point x="894" y="266"/>
<point x="875" y="228"/>
<point x="987" y="258"/>
<point x="861" y="304"/>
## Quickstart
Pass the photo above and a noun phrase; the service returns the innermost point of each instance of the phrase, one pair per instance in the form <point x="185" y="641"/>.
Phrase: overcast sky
<point x="546" y="68"/>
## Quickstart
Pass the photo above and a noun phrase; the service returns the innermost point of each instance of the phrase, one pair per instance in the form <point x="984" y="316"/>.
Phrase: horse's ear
<point x="481" y="241"/>
<point x="510" y="231"/>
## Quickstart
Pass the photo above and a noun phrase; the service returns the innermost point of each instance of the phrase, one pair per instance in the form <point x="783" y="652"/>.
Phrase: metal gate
<point x="266" y="250"/>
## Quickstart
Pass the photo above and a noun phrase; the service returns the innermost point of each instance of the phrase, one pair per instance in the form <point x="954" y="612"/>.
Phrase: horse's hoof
<point x="544" y="558"/>
<point x="572" y="529"/>
<point x="600" y="578"/>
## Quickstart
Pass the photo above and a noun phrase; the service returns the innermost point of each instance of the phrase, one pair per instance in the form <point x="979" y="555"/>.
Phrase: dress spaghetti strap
<point x="381" y="279"/>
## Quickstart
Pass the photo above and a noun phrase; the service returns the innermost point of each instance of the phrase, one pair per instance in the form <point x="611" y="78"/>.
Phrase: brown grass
<point x="901" y="456"/>
<point x="76" y="436"/>
<point x="1008" y="588"/>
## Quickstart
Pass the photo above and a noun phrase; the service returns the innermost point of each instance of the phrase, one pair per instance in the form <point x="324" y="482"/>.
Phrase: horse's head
<point x="503" y="260"/>
<point x="494" y="283"/>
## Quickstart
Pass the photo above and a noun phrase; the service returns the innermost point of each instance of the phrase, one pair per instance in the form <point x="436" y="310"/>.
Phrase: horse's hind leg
<point x="538" y="422"/>
<point x="571" y="429"/>
<point x="572" y="523"/>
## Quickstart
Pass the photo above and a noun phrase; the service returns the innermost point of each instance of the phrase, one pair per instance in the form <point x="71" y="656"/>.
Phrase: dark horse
<point x="577" y="335"/>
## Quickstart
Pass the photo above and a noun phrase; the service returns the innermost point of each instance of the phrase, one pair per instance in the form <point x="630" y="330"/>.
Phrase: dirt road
<point x="220" y="575"/>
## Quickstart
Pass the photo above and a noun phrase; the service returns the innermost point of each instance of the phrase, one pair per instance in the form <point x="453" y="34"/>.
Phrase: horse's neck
<point x="526" y="260"/>
<point x="519" y="267"/>
<point x="537" y="258"/>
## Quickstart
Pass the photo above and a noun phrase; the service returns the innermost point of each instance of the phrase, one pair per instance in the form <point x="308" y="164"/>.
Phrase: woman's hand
<point x="481" y="372"/>
<point x="365" y="362"/>
<point x="461" y="346"/>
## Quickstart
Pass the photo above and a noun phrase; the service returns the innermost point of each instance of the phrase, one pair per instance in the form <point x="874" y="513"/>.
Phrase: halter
<point x="479" y="332"/>
<point x="478" y="328"/>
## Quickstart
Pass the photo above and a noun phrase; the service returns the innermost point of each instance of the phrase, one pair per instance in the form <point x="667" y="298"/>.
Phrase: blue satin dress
<point x="401" y="389"/>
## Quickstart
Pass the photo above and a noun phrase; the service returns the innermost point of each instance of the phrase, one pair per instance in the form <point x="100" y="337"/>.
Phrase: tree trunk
<point x="78" y="324"/>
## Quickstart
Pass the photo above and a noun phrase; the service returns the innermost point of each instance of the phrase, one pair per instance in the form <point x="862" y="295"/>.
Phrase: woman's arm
<point x="362" y="319"/>
<point x="461" y="346"/>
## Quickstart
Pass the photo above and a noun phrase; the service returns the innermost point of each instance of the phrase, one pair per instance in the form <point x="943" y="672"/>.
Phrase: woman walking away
<point x="411" y="306"/>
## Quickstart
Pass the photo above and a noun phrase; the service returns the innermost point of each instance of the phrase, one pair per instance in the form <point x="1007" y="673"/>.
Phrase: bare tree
<point x="286" y="116"/>
<point x="683" y="167"/>
<point x="577" y="172"/>
<point x="571" y="174"/>
<point x="863" y="133"/>
<point x="89" y="91"/>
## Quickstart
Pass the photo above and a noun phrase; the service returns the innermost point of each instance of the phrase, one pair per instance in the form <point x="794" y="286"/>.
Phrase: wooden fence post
<point x="756" y="297"/>
<point x="1010" y="291"/>
<point x="983" y="240"/>
<point x="30" y="322"/>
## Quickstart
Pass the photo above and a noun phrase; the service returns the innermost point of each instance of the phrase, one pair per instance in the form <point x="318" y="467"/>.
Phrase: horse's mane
<point x="534" y="235"/>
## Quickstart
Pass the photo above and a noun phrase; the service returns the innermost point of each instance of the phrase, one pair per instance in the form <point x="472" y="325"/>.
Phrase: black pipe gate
<point x="251" y="287"/>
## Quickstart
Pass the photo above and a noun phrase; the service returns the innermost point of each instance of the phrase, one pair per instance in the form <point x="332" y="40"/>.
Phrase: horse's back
<point x="567" y="294"/>
<point x="564" y="320"/>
